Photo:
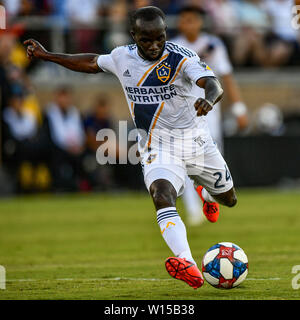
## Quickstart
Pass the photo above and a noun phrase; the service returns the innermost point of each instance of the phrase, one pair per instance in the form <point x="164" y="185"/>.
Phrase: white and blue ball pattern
<point x="225" y="265"/>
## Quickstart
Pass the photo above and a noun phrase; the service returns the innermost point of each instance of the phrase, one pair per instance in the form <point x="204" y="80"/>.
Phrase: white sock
<point x="207" y="197"/>
<point x="173" y="231"/>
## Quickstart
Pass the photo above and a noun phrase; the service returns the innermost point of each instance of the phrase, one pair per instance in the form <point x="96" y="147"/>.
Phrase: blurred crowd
<point x="255" y="32"/>
<point x="53" y="146"/>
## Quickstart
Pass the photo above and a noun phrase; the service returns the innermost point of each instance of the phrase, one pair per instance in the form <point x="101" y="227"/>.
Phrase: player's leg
<point x="190" y="196"/>
<point x="172" y="228"/>
<point x="214" y="183"/>
<point x="182" y="266"/>
<point x="165" y="181"/>
<point x="214" y="120"/>
<point x="192" y="204"/>
<point x="210" y="205"/>
<point x="211" y="202"/>
<point x="228" y="198"/>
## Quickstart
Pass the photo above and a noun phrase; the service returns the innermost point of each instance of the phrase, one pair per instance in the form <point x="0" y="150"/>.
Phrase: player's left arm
<point x="213" y="94"/>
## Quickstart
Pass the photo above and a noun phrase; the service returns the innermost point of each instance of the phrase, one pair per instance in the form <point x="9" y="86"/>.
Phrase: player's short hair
<point x="194" y="9"/>
<point x="149" y="13"/>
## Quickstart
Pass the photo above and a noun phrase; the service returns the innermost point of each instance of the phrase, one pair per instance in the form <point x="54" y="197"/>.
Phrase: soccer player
<point x="211" y="50"/>
<point x="157" y="76"/>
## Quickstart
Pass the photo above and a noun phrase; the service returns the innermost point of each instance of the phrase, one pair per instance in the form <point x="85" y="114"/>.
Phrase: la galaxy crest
<point x="163" y="72"/>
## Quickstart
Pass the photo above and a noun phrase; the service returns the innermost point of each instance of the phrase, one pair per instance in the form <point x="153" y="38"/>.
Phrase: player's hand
<point x="239" y="110"/>
<point x="202" y="107"/>
<point x="35" y="49"/>
<point x="242" y="122"/>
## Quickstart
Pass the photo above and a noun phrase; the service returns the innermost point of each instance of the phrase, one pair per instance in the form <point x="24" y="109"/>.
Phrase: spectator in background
<point x="266" y="37"/>
<point x="21" y="123"/>
<point x="82" y="15"/>
<point x="98" y="119"/>
<point x="251" y="14"/>
<point x="100" y="176"/>
<point x="31" y="102"/>
<point x="282" y="40"/>
<point x="21" y="116"/>
<point x="117" y="35"/>
<point x="248" y="45"/>
<point x="19" y="128"/>
<point x="105" y="177"/>
<point x="27" y="8"/>
<point x="224" y="20"/>
<point x="12" y="7"/>
<point x="16" y="63"/>
<point x="7" y="44"/>
<point x="84" y="12"/>
<point x="280" y="12"/>
<point x="66" y="138"/>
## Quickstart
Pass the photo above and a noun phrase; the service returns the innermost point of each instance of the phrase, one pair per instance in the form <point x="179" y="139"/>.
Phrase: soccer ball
<point x="225" y="265"/>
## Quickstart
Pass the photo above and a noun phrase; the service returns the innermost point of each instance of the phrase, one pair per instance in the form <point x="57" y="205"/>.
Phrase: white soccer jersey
<point x="211" y="50"/>
<point x="159" y="92"/>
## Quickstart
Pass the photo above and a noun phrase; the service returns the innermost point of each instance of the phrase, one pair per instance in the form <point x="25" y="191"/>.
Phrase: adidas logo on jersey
<point x="126" y="73"/>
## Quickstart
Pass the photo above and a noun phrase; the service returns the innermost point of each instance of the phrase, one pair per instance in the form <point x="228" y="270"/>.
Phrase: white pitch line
<point x="263" y="279"/>
<point x="120" y="279"/>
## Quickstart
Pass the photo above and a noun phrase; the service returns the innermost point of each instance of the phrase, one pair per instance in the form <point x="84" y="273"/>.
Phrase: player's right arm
<point x="213" y="94"/>
<point x="84" y="62"/>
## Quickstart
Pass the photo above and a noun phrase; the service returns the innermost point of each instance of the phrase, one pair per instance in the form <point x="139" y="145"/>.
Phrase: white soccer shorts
<point x="208" y="169"/>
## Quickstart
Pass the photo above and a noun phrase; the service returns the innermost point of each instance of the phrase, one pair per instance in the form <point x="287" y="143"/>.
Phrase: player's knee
<point x="163" y="196"/>
<point x="227" y="199"/>
<point x="161" y="199"/>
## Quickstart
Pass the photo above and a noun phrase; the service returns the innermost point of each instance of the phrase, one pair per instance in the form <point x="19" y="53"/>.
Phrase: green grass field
<point x="110" y="247"/>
